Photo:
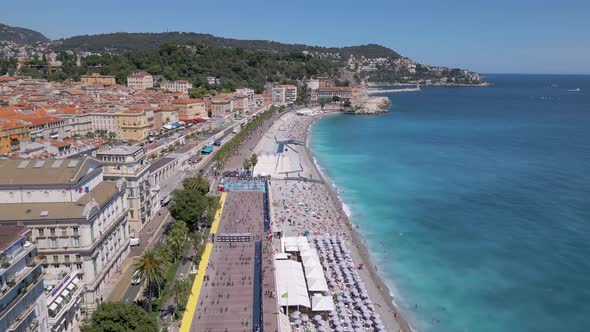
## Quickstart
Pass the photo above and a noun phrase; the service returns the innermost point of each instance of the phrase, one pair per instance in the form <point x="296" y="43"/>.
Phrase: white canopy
<point x="317" y="285"/>
<point x="322" y="303"/>
<point x="282" y="255"/>
<point x="311" y="262"/>
<point x="291" y="286"/>
<point x="309" y="252"/>
<point x="53" y="306"/>
<point x="59" y="300"/>
<point x="294" y="243"/>
<point x="284" y="324"/>
<point x="315" y="273"/>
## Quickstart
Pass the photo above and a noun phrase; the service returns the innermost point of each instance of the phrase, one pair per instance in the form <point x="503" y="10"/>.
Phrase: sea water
<point x="474" y="202"/>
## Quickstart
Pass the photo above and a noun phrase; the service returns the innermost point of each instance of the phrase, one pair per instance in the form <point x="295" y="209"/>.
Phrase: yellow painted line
<point x="191" y="306"/>
<point x="215" y="224"/>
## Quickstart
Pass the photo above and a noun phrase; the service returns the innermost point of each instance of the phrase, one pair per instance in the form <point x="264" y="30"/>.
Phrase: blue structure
<point x="217" y="143"/>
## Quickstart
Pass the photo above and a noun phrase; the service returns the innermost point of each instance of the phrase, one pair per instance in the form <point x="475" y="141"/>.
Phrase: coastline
<point x="359" y="249"/>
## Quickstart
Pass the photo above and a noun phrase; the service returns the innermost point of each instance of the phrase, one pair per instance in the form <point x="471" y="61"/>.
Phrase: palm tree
<point x="151" y="268"/>
<point x="179" y="290"/>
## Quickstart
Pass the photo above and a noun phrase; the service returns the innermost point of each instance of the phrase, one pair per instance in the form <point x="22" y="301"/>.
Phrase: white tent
<point x="291" y="286"/>
<point x="317" y="285"/>
<point x="284" y="324"/>
<point x="310" y="262"/>
<point x="315" y="273"/>
<point x="322" y="303"/>
<point x="294" y="243"/>
<point x="309" y="252"/>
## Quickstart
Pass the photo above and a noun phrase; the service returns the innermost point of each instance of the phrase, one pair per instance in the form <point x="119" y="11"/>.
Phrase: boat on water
<point x="574" y="90"/>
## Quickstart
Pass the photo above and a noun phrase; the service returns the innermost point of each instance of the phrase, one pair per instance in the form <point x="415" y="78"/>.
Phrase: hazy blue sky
<point x="506" y="36"/>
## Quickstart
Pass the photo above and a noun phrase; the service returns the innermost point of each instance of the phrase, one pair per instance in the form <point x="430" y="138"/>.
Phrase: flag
<point x="80" y="189"/>
<point x="286" y="295"/>
<point x="86" y="189"/>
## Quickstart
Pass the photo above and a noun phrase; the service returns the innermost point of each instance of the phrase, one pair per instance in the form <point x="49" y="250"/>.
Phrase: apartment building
<point x="78" y="220"/>
<point x="134" y="124"/>
<point x="140" y="81"/>
<point x="97" y="79"/>
<point x="12" y="134"/>
<point x="64" y="299"/>
<point x="129" y="163"/>
<point x="329" y="92"/>
<point x="283" y="95"/>
<point x="22" y="301"/>
<point x="181" y="86"/>
<point x="189" y="109"/>
<point x="103" y="120"/>
<point x="165" y="115"/>
<point x="221" y="106"/>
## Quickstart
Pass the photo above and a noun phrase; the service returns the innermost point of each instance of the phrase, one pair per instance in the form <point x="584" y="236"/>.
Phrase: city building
<point x="103" y="120"/>
<point x="221" y="106"/>
<point x="140" y="81"/>
<point x="64" y="299"/>
<point x="97" y="79"/>
<point x="284" y="95"/>
<point x="129" y="163"/>
<point x="211" y="80"/>
<point x="165" y="115"/>
<point x="12" y="134"/>
<point x="78" y="220"/>
<point x="189" y="109"/>
<point x="22" y="302"/>
<point x="134" y="124"/>
<point x="181" y="86"/>
<point x="329" y="92"/>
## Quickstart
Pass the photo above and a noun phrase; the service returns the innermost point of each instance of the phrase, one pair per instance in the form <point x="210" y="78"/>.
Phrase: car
<point x="134" y="241"/>
<point x="136" y="279"/>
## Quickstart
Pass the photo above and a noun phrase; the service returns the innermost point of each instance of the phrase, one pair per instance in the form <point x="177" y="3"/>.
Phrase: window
<point x="52" y="231"/>
<point x="78" y="257"/>
<point x="67" y="258"/>
<point x="79" y="266"/>
<point x="55" y="258"/>
<point x="52" y="243"/>
<point x="55" y="266"/>
<point x="64" y="232"/>
<point x="41" y="232"/>
<point x="75" y="242"/>
<point x="75" y="230"/>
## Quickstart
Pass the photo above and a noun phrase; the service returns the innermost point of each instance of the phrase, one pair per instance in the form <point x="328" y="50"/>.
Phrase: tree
<point x="89" y="134"/>
<point x="112" y="135"/>
<point x="253" y="160"/>
<point x="247" y="164"/>
<point x="119" y="316"/>
<point x="3" y="103"/>
<point x="180" y="290"/>
<point x="188" y="205"/>
<point x="175" y="239"/>
<point x="198" y="183"/>
<point x="151" y="268"/>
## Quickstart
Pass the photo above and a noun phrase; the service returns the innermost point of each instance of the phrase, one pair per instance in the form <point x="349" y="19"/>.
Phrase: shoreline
<point x="358" y="246"/>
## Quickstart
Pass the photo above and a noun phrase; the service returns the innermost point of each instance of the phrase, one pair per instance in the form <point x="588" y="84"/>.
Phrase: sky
<point x="489" y="36"/>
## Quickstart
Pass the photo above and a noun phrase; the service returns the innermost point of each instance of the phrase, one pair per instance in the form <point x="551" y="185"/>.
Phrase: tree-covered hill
<point x="151" y="41"/>
<point x="20" y="35"/>
<point x="235" y="67"/>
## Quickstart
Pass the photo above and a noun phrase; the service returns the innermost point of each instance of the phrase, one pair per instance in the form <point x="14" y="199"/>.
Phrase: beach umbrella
<point x="295" y="314"/>
<point x="297" y="322"/>
<point x="317" y="317"/>
<point x="380" y="327"/>
<point x="321" y="328"/>
<point x="305" y="318"/>
<point x="358" y="324"/>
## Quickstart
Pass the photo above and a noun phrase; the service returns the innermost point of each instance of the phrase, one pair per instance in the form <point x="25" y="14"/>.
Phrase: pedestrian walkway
<point x="191" y="306"/>
<point x="217" y="218"/>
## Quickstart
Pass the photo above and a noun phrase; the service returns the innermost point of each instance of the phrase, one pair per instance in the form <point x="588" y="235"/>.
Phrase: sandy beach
<point x="311" y="206"/>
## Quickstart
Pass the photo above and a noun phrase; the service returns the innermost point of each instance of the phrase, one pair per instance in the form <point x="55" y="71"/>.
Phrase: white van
<point x="134" y="241"/>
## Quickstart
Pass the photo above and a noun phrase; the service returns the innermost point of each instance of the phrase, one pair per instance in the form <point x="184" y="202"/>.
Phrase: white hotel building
<point x="78" y="222"/>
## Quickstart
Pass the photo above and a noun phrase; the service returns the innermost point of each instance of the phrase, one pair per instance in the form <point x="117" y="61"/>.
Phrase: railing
<point x="25" y="297"/>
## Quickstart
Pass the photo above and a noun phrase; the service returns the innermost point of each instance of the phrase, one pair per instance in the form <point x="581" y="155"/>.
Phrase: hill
<point x="20" y="35"/>
<point x="123" y="41"/>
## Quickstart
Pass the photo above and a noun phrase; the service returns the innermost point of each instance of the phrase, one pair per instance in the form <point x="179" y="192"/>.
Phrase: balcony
<point x="20" y="299"/>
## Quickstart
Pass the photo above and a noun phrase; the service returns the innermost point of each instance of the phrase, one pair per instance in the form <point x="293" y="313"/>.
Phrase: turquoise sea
<point x="474" y="202"/>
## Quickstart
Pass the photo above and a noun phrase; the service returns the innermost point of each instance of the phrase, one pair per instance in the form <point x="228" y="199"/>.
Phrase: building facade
<point x="97" y="79"/>
<point x="140" y="81"/>
<point x="78" y="220"/>
<point x="181" y="86"/>
<point x="134" y="125"/>
<point x="129" y="163"/>
<point x="283" y="95"/>
<point x="22" y="301"/>
<point x="103" y="121"/>
<point x="189" y="109"/>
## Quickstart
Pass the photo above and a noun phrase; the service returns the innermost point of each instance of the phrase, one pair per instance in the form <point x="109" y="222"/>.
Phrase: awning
<point x="292" y="290"/>
<point x="71" y="286"/>
<point x="317" y="285"/>
<point x="282" y="255"/>
<point x="65" y="293"/>
<point x="167" y="127"/>
<point x="76" y="280"/>
<point x="14" y="137"/>
<point x="322" y="303"/>
<point x="59" y="300"/>
<point x="52" y="307"/>
<point x="315" y="273"/>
